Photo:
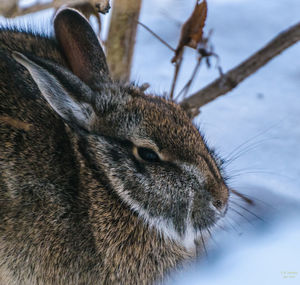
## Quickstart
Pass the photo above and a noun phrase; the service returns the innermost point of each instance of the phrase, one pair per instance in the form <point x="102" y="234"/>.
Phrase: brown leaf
<point x="192" y="29"/>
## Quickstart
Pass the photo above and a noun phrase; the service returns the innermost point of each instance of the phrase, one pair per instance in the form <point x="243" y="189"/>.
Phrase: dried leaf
<point x="192" y="29"/>
<point x="103" y="6"/>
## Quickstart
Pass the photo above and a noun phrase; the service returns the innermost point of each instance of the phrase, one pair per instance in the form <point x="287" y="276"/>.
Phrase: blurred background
<point x="256" y="127"/>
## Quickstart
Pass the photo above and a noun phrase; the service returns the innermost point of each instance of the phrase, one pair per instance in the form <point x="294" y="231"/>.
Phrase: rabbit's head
<point x="155" y="159"/>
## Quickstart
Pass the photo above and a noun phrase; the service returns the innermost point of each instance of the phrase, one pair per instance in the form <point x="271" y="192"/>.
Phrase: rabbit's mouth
<point x="194" y="232"/>
<point x="186" y="231"/>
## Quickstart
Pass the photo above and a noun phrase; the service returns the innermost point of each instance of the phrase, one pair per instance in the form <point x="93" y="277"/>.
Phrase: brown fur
<point x="15" y="123"/>
<point x="63" y="216"/>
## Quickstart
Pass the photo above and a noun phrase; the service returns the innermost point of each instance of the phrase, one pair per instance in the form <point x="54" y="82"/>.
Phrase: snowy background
<point x="258" y="124"/>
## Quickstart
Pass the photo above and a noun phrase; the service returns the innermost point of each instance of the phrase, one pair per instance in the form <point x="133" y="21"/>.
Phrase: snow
<point x="261" y="116"/>
<point x="270" y="260"/>
<point x="265" y="104"/>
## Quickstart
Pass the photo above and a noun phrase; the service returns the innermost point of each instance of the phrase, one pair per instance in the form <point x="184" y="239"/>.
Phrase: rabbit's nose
<point x="220" y="206"/>
<point x="220" y="199"/>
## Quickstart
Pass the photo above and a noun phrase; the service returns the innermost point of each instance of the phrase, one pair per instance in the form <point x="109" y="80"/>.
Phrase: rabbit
<point x="99" y="182"/>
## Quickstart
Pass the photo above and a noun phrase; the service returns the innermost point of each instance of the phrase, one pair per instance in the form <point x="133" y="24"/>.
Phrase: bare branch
<point x="156" y="36"/>
<point x="32" y="9"/>
<point x="176" y="72"/>
<point x="187" y="86"/>
<point x="236" y="75"/>
<point x="12" y="10"/>
<point x="8" y="7"/>
<point x="121" y="37"/>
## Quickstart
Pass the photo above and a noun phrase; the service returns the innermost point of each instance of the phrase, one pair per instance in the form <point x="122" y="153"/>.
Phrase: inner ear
<point x="54" y="82"/>
<point x="81" y="47"/>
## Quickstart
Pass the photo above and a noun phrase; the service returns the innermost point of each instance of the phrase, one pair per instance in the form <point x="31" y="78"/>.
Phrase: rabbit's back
<point x="19" y="94"/>
<point x="33" y="137"/>
<point x="40" y="216"/>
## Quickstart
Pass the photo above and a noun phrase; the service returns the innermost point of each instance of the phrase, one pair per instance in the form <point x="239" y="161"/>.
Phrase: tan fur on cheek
<point x="17" y="124"/>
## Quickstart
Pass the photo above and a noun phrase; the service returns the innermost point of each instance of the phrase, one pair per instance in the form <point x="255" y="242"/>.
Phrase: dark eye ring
<point x="148" y="154"/>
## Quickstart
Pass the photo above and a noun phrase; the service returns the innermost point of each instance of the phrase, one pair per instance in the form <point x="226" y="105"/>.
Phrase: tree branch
<point x="10" y="8"/>
<point x="236" y="75"/>
<point x="121" y="37"/>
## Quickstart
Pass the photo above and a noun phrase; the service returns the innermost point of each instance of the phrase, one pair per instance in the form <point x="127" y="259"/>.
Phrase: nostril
<point x="218" y="204"/>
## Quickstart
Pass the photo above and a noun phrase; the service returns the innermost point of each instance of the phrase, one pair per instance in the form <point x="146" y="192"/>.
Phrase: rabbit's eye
<point x="148" y="154"/>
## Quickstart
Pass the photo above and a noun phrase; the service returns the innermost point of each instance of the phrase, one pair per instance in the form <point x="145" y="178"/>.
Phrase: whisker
<point x="211" y="236"/>
<point x="247" y="210"/>
<point x="203" y="243"/>
<point x="209" y="232"/>
<point x="243" y="216"/>
<point x="248" y="148"/>
<point x="272" y="173"/>
<point x="221" y="227"/>
<point x="263" y="132"/>
<point x="227" y="219"/>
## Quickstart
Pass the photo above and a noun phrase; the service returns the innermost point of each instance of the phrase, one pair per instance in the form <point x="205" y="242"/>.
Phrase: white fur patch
<point x="163" y="226"/>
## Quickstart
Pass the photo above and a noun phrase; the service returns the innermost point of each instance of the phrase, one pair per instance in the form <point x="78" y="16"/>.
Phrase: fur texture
<point x="78" y="203"/>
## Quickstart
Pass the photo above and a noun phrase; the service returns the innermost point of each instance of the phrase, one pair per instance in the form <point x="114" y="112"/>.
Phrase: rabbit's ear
<point x="66" y="94"/>
<point x="81" y="47"/>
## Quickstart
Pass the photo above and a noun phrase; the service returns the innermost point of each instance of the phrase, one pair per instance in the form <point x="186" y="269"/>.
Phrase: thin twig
<point x="187" y="86"/>
<point x="16" y="12"/>
<point x="177" y="68"/>
<point x="156" y="36"/>
<point x="32" y="9"/>
<point x="236" y="75"/>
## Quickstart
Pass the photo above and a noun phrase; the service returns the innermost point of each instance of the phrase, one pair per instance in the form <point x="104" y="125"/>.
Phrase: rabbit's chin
<point x="188" y="239"/>
<point x="165" y="227"/>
